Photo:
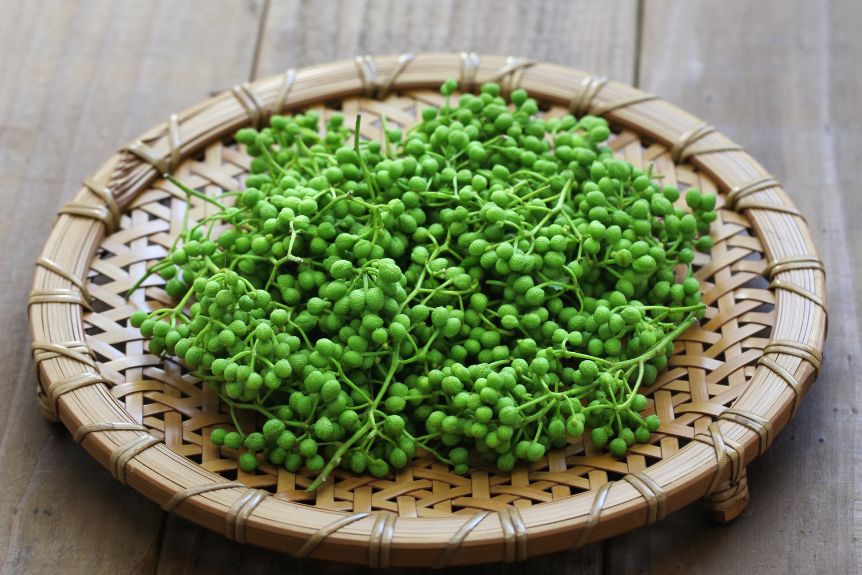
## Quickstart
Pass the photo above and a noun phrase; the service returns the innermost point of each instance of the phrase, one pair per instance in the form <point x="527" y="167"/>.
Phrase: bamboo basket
<point x="733" y="384"/>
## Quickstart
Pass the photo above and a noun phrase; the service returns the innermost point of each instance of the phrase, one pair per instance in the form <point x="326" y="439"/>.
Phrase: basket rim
<point x="166" y="477"/>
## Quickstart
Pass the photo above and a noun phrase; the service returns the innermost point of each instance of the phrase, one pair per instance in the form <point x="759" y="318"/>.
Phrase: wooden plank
<point x="599" y="38"/>
<point x="591" y="36"/>
<point x="80" y="79"/>
<point x="188" y="549"/>
<point x="780" y="79"/>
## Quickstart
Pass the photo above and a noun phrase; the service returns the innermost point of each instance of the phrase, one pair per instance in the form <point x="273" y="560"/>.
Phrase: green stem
<point x="195" y="193"/>
<point x="336" y="458"/>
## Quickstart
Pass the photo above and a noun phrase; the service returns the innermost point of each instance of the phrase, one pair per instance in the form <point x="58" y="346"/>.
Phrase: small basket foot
<point x="45" y="405"/>
<point x="728" y="501"/>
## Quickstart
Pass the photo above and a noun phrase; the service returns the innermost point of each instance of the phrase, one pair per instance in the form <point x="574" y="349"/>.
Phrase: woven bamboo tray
<point x="734" y="383"/>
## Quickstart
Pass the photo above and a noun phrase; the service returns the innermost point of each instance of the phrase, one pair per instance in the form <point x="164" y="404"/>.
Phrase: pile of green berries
<point x="487" y="285"/>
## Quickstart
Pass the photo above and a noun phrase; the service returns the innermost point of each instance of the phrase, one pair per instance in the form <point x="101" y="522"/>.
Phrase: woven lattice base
<point x="148" y="419"/>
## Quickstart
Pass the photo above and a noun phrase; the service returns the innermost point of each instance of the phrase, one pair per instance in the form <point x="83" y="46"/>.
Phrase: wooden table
<point x="80" y="79"/>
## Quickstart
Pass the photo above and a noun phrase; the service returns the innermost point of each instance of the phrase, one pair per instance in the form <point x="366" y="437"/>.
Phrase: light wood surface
<point x="79" y="80"/>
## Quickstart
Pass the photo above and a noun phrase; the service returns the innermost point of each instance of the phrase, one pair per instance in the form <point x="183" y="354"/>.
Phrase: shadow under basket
<point x="732" y="385"/>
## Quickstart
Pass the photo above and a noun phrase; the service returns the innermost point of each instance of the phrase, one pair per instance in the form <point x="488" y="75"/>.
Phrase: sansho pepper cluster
<point x="484" y="286"/>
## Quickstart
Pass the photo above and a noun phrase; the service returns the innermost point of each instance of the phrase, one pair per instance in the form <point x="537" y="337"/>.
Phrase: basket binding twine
<point x="734" y="383"/>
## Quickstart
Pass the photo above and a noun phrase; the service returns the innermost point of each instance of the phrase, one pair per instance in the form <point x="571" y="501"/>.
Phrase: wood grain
<point x="599" y="37"/>
<point x="78" y="81"/>
<point x="778" y="81"/>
